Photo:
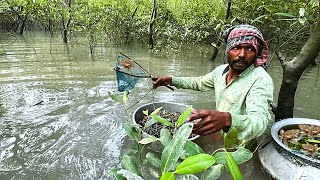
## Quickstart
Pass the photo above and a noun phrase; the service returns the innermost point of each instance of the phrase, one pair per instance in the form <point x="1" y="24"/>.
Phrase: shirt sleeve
<point x="202" y="83"/>
<point x="257" y="117"/>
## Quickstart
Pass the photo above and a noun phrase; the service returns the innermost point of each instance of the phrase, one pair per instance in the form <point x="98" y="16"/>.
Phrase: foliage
<point x="180" y="157"/>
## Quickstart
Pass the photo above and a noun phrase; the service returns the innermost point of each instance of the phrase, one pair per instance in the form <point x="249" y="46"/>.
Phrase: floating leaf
<point x="184" y="116"/>
<point x="192" y="149"/>
<point x="161" y="120"/>
<point x="127" y="163"/>
<point x="153" y="159"/>
<point x="165" y="136"/>
<point x="148" y="140"/>
<point x="213" y="172"/>
<point x="114" y="174"/>
<point x="156" y="111"/>
<point x="167" y="176"/>
<point x="233" y="167"/>
<point x="230" y="139"/>
<point x="195" y="164"/>
<point x="174" y="149"/>
<point x="129" y="175"/>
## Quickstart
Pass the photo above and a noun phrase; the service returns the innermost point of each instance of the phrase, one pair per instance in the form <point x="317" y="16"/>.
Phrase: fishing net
<point x="128" y="72"/>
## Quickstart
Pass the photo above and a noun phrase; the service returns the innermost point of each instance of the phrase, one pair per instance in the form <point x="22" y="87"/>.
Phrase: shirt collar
<point x="244" y="73"/>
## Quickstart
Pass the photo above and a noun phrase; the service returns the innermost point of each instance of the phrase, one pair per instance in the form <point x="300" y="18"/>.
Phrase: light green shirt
<point x="246" y="98"/>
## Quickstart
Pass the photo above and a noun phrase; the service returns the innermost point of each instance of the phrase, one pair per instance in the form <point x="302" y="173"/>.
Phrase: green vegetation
<point x="175" y="22"/>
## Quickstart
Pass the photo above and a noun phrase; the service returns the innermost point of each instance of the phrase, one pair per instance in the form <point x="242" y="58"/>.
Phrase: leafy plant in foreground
<point x="180" y="157"/>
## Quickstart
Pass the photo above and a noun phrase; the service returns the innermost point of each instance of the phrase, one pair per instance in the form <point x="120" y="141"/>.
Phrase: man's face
<point x="241" y="57"/>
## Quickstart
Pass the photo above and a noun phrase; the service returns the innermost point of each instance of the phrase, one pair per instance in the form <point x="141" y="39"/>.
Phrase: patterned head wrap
<point x="242" y="34"/>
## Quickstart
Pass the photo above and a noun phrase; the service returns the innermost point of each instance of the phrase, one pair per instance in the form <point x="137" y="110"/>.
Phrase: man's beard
<point x="242" y="65"/>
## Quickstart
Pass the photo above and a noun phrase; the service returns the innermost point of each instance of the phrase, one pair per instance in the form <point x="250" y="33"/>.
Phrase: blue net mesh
<point x="128" y="73"/>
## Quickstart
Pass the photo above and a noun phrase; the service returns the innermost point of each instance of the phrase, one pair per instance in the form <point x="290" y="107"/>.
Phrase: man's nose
<point x="242" y="52"/>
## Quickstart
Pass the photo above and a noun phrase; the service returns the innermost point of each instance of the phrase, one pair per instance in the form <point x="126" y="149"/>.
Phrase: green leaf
<point x="117" y="97"/>
<point x="156" y="111"/>
<point x="313" y="141"/>
<point x="153" y="159"/>
<point x="154" y="173"/>
<point x="167" y="176"/>
<point x="127" y="163"/>
<point x="165" y="136"/>
<point x="174" y="149"/>
<point x="184" y="116"/>
<point x="213" y="172"/>
<point x="284" y="15"/>
<point x="220" y="157"/>
<point x="114" y="174"/>
<point x="125" y="96"/>
<point x="233" y="167"/>
<point x="133" y="131"/>
<point x="241" y="155"/>
<point x="150" y="122"/>
<point x="195" y="164"/>
<point x="192" y="149"/>
<point x="161" y="120"/>
<point x="187" y="177"/>
<point x="129" y="175"/>
<point x="146" y="112"/>
<point x="148" y="140"/>
<point x="231" y="139"/>
<point x="258" y="19"/>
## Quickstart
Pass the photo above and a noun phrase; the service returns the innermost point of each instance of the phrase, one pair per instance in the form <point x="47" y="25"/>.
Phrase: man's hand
<point x="161" y="81"/>
<point x="209" y="121"/>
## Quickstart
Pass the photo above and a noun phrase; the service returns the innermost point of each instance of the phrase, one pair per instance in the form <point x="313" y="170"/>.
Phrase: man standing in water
<point x="243" y="88"/>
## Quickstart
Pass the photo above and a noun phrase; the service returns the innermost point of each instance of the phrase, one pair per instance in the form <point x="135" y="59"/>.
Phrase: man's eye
<point x="250" y="49"/>
<point x="235" y="48"/>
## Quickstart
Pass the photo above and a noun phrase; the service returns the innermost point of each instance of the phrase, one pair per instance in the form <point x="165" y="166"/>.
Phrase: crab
<point x="289" y="134"/>
<point x="310" y="149"/>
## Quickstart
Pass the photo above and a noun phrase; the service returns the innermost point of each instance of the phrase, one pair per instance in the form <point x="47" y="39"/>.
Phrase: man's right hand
<point x="161" y="81"/>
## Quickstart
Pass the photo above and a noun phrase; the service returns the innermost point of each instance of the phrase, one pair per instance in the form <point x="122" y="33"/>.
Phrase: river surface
<point x="57" y="120"/>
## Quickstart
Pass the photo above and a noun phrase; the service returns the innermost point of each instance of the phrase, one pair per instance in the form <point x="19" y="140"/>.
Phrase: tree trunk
<point x="150" y="29"/>
<point x="23" y="25"/>
<point x="218" y="44"/>
<point x="292" y="71"/>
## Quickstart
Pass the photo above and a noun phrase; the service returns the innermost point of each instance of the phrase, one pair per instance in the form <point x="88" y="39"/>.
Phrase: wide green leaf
<point x="161" y="120"/>
<point x="167" y="176"/>
<point x="195" y="164"/>
<point x="174" y="149"/>
<point x="127" y="163"/>
<point x="133" y="131"/>
<point x="153" y="172"/>
<point x="192" y="149"/>
<point x="150" y="122"/>
<point x="241" y="155"/>
<point x="184" y="116"/>
<point x="129" y="175"/>
<point x="231" y="139"/>
<point x="213" y="172"/>
<point x="153" y="159"/>
<point x="165" y="136"/>
<point x="233" y="167"/>
<point x="117" y="97"/>
<point x="148" y="140"/>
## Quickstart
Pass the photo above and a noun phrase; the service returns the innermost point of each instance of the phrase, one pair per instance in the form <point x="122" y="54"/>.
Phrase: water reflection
<point x="58" y="121"/>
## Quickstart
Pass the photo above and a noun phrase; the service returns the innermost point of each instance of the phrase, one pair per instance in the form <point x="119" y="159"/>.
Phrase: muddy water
<point x="58" y="121"/>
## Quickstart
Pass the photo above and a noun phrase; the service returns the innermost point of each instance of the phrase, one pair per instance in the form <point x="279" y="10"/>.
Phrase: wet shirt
<point x="246" y="97"/>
